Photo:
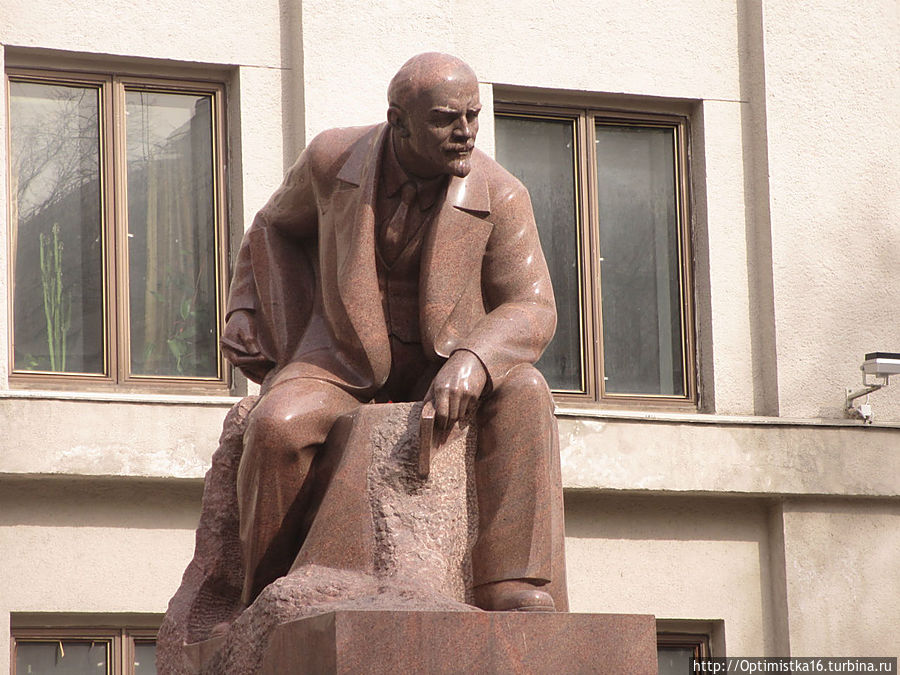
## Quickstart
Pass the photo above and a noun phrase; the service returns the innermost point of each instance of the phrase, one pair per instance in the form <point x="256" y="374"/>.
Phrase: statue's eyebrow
<point x="454" y="111"/>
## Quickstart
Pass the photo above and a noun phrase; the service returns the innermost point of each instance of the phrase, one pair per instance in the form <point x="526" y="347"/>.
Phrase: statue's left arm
<point x="520" y="308"/>
<point x="518" y="296"/>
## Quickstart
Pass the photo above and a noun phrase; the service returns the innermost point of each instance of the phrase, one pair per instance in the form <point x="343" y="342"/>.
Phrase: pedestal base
<point x="463" y="642"/>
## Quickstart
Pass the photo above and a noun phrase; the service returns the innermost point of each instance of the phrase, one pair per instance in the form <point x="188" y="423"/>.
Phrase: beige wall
<point x="842" y="576"/>
<point x="174" y="437"/>
<point x="109" y="438"/>
<point x="675" y="558"/>
<point x="693" y="517"/>
<point x="4" y="238"/>
<point x="706" y="454"/>
<point x="819" y="580"/>
<point x="832" y="90"/>
<point x="149" y="29"/>
<point x="786" y="529"/>
<point x="95" y="547"/>
<point x="803" y="577"/>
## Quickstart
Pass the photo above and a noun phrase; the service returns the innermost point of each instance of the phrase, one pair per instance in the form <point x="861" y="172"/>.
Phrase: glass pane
<point x="144" y="658"/>
<point x="674" y="660"/>
<point x="171" y="234"/>
<point x="66" y="657"/>
<point x="541" y="153"/>
<point x="56" y="228"/>
<point x="640" y="270"/>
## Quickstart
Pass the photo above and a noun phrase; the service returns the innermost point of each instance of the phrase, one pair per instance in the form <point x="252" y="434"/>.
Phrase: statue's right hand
<point x="241" y="345"/>
<point x="239" y="337"/>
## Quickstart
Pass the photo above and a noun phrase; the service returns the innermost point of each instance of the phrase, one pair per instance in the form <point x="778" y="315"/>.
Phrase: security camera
<point x="879" y="365"/>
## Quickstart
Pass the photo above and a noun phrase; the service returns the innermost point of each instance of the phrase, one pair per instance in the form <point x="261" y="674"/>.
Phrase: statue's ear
<point x="397" y="118"/>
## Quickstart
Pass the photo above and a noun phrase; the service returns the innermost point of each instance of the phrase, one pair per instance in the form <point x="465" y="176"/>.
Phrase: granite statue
<point x="391" y="299"/>
<point x="396" y="262"/>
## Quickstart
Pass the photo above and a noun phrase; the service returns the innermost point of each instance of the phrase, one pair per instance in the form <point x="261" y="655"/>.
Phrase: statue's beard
<point x="460" y="167"/>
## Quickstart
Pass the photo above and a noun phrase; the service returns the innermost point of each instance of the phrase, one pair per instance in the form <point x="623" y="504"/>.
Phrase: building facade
<point x="717" y="184"/>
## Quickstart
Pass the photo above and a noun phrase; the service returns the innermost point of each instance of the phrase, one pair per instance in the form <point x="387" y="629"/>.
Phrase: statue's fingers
<point x="441" y="407"/>
<point x="466" y="405"/>
<point x="454" y="408"/>
<point x="251" y="344"/>
<point x="238" y="346"/>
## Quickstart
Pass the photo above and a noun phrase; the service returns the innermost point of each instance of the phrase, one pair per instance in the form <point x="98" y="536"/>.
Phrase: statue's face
<point x="442" y="123"/>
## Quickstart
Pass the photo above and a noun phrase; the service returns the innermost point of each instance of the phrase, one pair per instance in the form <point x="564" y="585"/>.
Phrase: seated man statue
<point x="397" y="263"/>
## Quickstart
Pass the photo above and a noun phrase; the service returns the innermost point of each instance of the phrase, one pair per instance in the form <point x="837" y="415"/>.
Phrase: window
<point x="84" y="651"/>
<point x="116" y="230"/>
<point x="674" y="651"/>
<point x="609" y="192"/>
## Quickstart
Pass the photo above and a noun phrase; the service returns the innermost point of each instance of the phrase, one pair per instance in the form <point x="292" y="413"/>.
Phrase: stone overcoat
<point x="307" y="269"/>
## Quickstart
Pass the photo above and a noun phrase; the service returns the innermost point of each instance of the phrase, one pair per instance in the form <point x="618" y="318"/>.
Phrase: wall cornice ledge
<point x="675" y="455"/>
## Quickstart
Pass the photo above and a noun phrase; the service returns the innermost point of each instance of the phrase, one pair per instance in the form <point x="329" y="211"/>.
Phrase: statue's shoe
<point x="513" y="596"/>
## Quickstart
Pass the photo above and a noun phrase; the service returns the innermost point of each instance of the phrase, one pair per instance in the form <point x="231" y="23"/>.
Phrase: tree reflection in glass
<point x="56" y="228"/>
<point x="171" y="234"/>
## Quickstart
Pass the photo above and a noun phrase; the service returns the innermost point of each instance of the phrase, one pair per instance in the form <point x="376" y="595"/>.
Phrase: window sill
<point x="561" y="410"/>
<point x="121" y="397"/>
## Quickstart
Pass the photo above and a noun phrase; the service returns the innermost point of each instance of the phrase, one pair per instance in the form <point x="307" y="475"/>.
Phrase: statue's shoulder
<point x="502" y="185"/>
<point x="332" y="147"/>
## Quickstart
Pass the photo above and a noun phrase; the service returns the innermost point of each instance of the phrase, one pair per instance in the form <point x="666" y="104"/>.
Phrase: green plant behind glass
<point x="186" y="312"/>
<point x="57" y="300"/>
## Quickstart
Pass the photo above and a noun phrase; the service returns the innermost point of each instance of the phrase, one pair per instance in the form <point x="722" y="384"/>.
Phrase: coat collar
<point x="454" y="244"/>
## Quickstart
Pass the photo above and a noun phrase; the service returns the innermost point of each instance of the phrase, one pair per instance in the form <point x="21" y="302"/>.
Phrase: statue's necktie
<point x="394" y="235"/>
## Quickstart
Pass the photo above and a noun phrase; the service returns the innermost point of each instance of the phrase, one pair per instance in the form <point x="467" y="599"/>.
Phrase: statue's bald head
<point x="433" y="112"/>
<point x="422" y="73"/>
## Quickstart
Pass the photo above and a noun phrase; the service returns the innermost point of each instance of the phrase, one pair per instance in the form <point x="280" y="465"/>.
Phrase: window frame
<point x="112" y="87"/>
<point x="699" y="642"/>
<point x="585" y="112"/>
<point x="121" y="642"/>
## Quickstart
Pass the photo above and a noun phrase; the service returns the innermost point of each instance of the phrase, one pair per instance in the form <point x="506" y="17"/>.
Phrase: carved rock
<point x="402" y="543"/>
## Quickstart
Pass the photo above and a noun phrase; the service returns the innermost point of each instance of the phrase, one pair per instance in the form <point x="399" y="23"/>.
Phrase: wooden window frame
<point x="699" y="642"/>
<point x="120" y="640"/>
<point x="112" y="87"/>
<point x="585" y="113"/>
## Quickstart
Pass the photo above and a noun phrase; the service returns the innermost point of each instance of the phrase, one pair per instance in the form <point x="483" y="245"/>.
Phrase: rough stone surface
<point x="418" y="556"/>
<point x="211" y="587"/>
<point x="424" y="528"/>
<point x="378" y="517"/>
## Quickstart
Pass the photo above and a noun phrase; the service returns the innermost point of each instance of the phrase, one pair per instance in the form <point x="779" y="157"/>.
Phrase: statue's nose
<point x="464" y="129"/>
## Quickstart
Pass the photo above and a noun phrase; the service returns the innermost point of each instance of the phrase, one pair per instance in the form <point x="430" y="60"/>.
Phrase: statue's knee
<point x="526" y="382"/>
<point x="264" y="430"/>
<point x="274" y="427"/>
<point x="286" y="425"/>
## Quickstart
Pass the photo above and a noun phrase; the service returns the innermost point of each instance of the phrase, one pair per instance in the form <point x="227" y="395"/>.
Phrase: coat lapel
<point x="351" y="223"/>
<point x="453" y="252"/>
<point x="351" y="212"/>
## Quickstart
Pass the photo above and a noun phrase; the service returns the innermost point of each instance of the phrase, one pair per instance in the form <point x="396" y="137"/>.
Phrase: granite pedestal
<point x="401" y="602"/>
<point x="463" y="642"/>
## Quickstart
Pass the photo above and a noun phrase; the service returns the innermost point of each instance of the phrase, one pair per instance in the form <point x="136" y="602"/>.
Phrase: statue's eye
<point x="444" y="119"/>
